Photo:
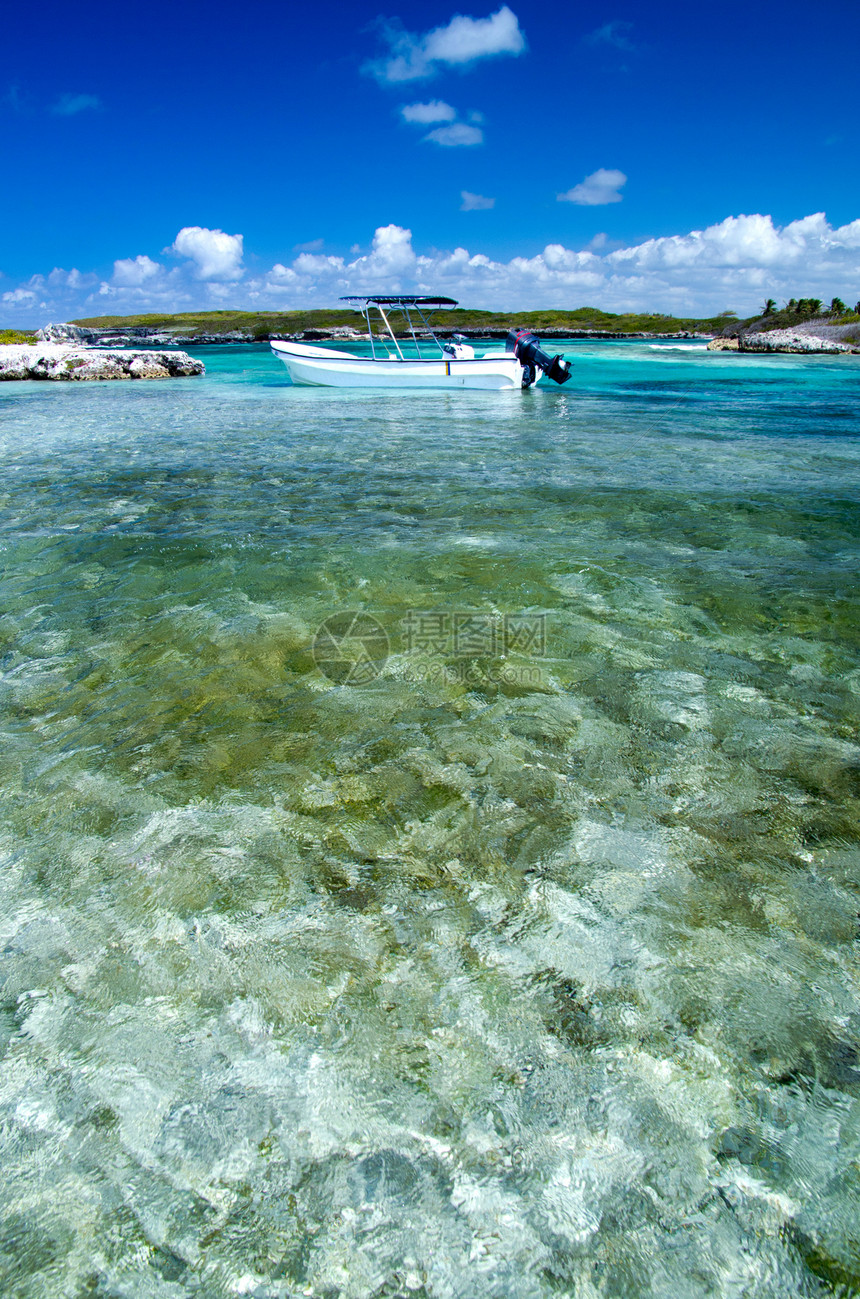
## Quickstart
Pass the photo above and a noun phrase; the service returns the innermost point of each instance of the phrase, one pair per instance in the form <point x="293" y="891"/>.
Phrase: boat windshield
<point x="406" y="305"/>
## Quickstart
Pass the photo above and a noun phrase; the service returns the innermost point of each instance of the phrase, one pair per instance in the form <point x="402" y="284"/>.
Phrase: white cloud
<point x="466" y="39"/>
<point x="613" y="33"/>
<point x="132" y="271"/>
<point x="451" y="136"/>
<point x="391" y="253"/>
<point x="314" y="264"/>
<point x="456" y="136"/>
<point x="475" y="202"/>
<point x="69" y="105"/>
<point x="435" y="111"/>
<point x="60" y="278"/>
<point x="59" y="285"/>
<point x="14" y="99"/>
<point x="739" y="262"/>
<point x="17" y="297"/>
<point x="216" y="255"/>
<point x="596" y="190"/>
<point x="390" y="258"/>
<point x="174" y="290"/>
<point x="413" y="57"/>
<point x="280" y="274"/>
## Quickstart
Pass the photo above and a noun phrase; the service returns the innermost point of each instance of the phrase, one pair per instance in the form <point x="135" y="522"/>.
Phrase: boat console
<point x="459" y="348"/>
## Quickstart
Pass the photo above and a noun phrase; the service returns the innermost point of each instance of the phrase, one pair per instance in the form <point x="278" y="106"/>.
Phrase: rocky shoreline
<point x="809" y="338"/>
<point x="59" y="361"/>
<point x="96" y="337"/>
<point x="782" y="340"/>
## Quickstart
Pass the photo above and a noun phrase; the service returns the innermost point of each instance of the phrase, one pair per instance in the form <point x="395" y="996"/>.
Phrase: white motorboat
<point x="448" y="365"/>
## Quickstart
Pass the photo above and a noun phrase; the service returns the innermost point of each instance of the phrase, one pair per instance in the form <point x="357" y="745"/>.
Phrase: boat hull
<point x="322" y="367"/>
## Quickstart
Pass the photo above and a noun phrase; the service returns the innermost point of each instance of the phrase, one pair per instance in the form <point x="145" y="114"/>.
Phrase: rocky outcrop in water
<point x="770" y="334"/>
<point x="780" y="340"/>
<point x="63" y="362"/>
<point x="789" y="340"/>
<point x="849" y="333"/>
<point x="721" y="344"/>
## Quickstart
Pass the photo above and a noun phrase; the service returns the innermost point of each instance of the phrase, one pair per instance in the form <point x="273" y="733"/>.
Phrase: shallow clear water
<point x="525" y="962"/>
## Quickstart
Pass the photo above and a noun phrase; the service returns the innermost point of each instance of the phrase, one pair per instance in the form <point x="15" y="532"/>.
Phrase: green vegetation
<point x="268" y="324"/>
<point x="798" y="311"/>
<point x="16" y="336"/>
<point x="260" y="324"/>
<point x="790" y="316"/>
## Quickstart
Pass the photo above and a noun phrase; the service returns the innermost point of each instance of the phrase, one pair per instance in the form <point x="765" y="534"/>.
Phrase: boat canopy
<point x="405" y="302"/>
<point x="399" y="300"/>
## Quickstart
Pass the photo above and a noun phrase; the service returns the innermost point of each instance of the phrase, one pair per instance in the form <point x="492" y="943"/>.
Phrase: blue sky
<point x="673" y="156"/>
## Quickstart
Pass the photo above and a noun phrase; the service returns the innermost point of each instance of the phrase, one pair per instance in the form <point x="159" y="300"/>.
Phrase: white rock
<point x="144" y="368"/>
<point x="64" y="334"/>
<point x="723" y="345"/>
<point x="60" y="361"/>
<point x="789" y="340"/>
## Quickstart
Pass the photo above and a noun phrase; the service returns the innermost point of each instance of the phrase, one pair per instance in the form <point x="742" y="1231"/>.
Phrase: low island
<point x="344" y="323"/>
<point x="802" y="325"/>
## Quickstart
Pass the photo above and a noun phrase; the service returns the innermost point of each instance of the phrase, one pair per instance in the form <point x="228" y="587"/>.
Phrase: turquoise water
<point x="518" y="955"/>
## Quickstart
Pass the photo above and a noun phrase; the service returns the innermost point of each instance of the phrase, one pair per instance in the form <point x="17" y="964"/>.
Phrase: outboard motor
<point x="531" y="356"/>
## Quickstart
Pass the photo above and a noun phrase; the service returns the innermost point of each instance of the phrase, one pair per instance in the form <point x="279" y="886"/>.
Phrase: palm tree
<point x="791" y="305"/>
<point x="769" y="307"/>
<point x="837" y="307"/>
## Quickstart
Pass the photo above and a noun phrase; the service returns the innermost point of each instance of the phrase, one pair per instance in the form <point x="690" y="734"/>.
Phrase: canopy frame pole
<point x="391" y="332"/>
<point x="408" y="314"/>
<point x="370" y="330"/>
